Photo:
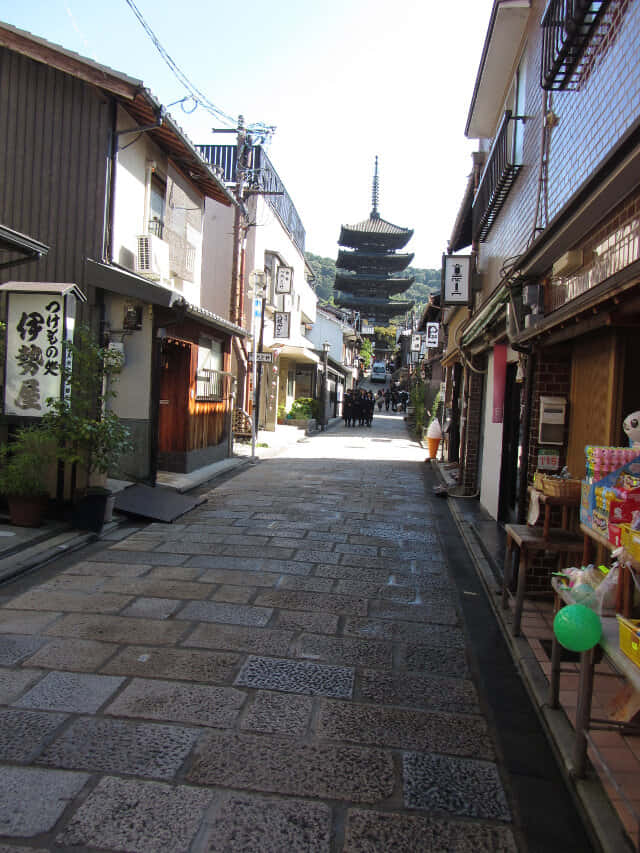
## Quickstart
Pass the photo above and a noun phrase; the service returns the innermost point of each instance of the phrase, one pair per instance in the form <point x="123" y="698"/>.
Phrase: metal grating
<point x="569" y="27"/>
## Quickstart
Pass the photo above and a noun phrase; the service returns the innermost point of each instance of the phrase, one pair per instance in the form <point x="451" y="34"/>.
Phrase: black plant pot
<point x="89" y="510"/>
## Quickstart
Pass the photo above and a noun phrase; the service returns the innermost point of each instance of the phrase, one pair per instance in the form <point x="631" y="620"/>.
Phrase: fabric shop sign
<point x="456" y="279"/>
<point x="38" y="324"/>
<point x="281" y="323"/>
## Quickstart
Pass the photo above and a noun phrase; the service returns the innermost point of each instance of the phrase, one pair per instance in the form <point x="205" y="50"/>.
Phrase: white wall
<point x="268" y="235"/>
<point x="217" y="258"/>
<point x="134" y="383"/>
<point x="491" y="451"/>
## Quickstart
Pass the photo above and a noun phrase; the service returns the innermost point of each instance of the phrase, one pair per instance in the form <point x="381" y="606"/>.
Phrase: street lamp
<point x="326" y="346"/>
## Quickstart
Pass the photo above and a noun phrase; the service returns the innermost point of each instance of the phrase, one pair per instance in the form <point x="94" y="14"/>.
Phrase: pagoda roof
<point x="374" y="231"/>
<point x="375" y="304"/>
<point x="373" y="261"/>
<point x="371" y="283"/>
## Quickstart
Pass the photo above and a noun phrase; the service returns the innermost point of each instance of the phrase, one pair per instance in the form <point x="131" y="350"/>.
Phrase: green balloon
<point x="577" y="628"/>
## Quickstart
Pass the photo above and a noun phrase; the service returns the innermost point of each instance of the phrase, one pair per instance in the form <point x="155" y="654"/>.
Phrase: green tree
<point x="366" y="352"/>
<point x="385" y="337"/>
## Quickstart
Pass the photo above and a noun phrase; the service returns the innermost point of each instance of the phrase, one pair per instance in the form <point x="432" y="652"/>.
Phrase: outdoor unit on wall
<point x="152" y="259"/>
<point x="553" y="411"/>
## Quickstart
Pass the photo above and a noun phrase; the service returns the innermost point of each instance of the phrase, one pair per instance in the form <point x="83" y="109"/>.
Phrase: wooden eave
<point x="133" y="97"/>
<point x="167" y="135"/>
<point x="68" y="62"/>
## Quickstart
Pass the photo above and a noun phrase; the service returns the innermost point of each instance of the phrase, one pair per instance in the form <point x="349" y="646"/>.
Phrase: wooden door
<point x="174" y="397"/>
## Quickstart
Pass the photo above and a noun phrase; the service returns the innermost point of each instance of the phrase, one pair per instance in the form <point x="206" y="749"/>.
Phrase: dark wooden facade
<point x="55" y="133"/>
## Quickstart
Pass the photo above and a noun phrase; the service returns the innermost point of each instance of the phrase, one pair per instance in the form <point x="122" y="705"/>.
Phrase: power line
<point x="198" y="97"/>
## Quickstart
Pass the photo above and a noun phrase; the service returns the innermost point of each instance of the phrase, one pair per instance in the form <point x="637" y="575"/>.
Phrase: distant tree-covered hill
<point x="427" y="281"/>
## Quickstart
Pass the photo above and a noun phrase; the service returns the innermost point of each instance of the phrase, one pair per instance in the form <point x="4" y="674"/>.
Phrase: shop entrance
<point x="509" y="472"/>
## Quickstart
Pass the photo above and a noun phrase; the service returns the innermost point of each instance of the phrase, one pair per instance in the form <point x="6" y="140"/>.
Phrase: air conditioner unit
<point x="152" y="259"/>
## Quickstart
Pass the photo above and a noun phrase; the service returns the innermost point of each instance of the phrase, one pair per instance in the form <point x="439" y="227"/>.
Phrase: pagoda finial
<point x="375" y="193"/>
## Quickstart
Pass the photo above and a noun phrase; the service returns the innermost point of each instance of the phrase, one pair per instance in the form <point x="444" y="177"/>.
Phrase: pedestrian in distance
<point x="387" y="399"/>
<point x="380" y="399"/>
<point x="394" y="400"/>
<point x="347" y="408"/>
<point x="371" y="407"/>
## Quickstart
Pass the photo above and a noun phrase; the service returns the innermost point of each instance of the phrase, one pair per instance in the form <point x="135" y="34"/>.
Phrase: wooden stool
<point x="528" y="540"/>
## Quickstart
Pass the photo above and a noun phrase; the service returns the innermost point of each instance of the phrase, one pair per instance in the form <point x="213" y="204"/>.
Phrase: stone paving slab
<point x="279" y="765"/>
<point x="146" y="817"/>
<point x="278" y="713"/>
<point x="77" y="692"/>
<point x="417" y="691"/>
<point x="464" y="787"/>
<point x="454" y="734"/>
<point x="296" y="677"/>
<point x="240" y="638"/>
<point x="50" y="792"/>
<point x="345" y="651"/>
<point x="148" y="587"/>
<point x="17" y="647"/>
<point x="413" y="612"/>
<point x="24" y="733"/>
<point x="230" y="594"/>
<point x="108" y="569"/>
<point x="251" y="564"/>
<point x="259" y="825"/>
<point x="325" y="602"/>
<point x="378" y="576"/>
<point x="304" y="620"/>
<point x="306" y="584"/>
<point x="14" y="682"/>
<point x="26" y="621"/>
<point x="117" y="629"/>
<point x="146" y="558"/>
<point x="182" y="664"/>
<point x="69" y="601"/>
<point x="374" y="629"/>
<point x="152" y="608"/>
<point x="178" y="703"/>
<point x="230" y="614"/>
<point x="75" y="655"/>
<point x="229" y="576"/>
<point x="176" y="573"/>
<point x="436" y="659"/>
<point x="78" y="583"/>
<point x="402" y="594"/>
<point x="372" y="831"/>
<point x="120" y="746"/>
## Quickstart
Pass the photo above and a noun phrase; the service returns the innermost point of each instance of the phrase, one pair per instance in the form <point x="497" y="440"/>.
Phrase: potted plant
<point x="25" y="465"/>
<point x="89" y="434"/>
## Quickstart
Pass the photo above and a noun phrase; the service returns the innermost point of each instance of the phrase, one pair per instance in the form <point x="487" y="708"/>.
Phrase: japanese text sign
<point x="433" y="333"/>
<point x="456" y="279"/>
<point x="283" y="281"/>
<point x="37" y="327"/>
<point x="281" y="322"/>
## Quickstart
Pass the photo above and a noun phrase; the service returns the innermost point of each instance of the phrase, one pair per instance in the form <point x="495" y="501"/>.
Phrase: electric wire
<point x="200" y="99"/>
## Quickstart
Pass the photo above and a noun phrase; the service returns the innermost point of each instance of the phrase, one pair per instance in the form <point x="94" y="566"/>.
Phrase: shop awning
<point x="297" y="353"/>
<point x="119" y="280"/>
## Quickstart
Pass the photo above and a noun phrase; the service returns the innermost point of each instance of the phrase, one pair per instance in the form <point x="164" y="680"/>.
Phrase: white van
<point x="378" y="371"/>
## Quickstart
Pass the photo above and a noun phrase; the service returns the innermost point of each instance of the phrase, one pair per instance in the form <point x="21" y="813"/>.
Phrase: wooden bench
<point x="529" y="540"/>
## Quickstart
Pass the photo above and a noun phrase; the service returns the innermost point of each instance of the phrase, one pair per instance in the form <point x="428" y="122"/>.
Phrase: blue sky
<point x="342" y="81"/>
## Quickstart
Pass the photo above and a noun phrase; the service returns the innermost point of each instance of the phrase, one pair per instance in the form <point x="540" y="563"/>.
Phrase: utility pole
<point x="236" y="304"/>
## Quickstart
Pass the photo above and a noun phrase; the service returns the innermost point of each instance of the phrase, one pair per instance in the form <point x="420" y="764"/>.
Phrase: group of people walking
<point x="358" y="407"/>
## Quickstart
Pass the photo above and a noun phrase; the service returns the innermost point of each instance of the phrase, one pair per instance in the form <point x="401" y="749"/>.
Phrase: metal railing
<point x="156" y="227"/>
<point x="568" y="27"/>
<point x="500" y="172"/>
<point x="211" y="385"/>
<point x="261" y="178"/>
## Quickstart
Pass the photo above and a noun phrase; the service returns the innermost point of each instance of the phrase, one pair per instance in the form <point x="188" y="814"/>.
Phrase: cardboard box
<point x="615" y="534"/>
<point x="621" y="509"/>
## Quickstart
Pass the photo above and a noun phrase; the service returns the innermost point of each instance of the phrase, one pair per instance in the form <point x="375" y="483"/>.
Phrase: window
<point x="157" y="194"/>
<point x="209" y="376"/>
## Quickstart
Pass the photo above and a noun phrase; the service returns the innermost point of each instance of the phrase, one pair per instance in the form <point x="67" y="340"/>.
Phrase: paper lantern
<point x="577" y="628"/>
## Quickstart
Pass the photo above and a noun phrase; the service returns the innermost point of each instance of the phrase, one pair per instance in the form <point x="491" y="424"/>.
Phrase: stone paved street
<point x="289" y="667"/>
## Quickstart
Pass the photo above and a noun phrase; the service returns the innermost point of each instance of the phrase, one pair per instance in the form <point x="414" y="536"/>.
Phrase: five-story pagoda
<point x="367" y="261"/>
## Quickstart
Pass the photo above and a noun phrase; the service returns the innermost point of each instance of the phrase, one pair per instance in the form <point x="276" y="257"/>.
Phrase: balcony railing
<point x="156" y="227"/>
<point x="500" y="172"/>
<point x="261" y="178"/>
<point x="568" y="28"/>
